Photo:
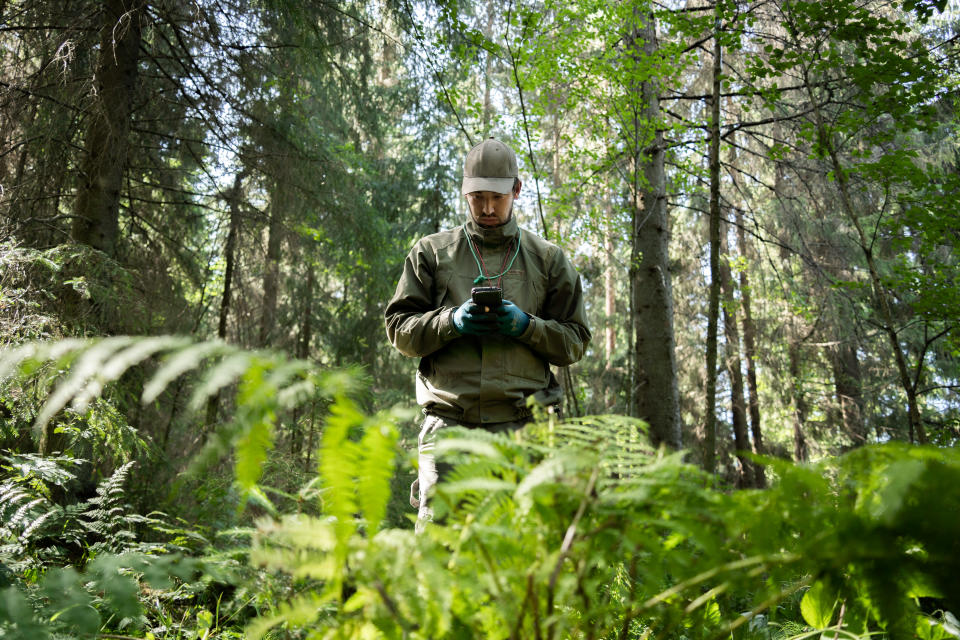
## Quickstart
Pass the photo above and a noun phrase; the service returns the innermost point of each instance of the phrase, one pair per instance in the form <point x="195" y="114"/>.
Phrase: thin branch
<point x="526" y="126"/>
<point x="566" y="546"/>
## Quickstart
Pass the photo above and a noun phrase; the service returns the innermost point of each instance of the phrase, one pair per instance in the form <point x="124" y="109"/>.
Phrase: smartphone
<point x="489" y="298"/>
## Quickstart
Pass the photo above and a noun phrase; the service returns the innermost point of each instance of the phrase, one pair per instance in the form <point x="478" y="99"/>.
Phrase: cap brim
<point x="497" y="185"/>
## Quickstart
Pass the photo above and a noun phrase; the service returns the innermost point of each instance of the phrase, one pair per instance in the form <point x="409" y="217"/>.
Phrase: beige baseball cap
<point x="490" y="166"/>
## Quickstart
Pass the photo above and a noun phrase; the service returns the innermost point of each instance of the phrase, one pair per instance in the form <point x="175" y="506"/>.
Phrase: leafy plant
<point x="582" y="530"/>
<point x="577" y="529"/>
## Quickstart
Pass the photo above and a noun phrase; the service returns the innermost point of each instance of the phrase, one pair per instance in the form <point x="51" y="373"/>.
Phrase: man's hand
<point x="469" y="319"/>
<point x="511" y="320"/>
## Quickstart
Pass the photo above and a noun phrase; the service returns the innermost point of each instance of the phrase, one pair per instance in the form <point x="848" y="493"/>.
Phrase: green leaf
<point x="70" y="605"/>
<point x="817" y="605"/>
<point x="16" y="610"/>
<point x="119" y="590"/>
<point x="375" y="470"/>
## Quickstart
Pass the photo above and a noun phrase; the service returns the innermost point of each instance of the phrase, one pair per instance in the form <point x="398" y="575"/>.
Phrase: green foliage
<point x="575" y="529"/>
<point x="68" y="603"/>
<point x="582" y="530"/>
<point x="43" y="524"/>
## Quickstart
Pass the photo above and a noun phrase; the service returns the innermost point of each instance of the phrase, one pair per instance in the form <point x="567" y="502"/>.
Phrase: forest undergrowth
<point x="576" y="529"/>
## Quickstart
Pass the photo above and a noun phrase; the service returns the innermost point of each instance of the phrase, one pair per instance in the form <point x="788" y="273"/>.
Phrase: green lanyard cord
<point x="476" y="258"/>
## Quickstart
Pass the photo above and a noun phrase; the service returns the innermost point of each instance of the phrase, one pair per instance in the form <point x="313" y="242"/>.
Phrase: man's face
<point x="491" y="209"/>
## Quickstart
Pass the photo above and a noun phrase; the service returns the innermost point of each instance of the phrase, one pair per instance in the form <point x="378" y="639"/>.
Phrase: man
<point x="479" y="365"/>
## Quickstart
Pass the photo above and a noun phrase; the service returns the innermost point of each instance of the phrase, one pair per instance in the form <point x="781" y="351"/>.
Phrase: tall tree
<point x="107" y="143"/>
<point x="713" y="309"/>
<point x="656" y="396"/>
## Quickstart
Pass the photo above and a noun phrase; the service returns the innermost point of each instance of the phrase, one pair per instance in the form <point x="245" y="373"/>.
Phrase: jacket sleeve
<point x="560" y="334"/>
<point x="414" y="325"/>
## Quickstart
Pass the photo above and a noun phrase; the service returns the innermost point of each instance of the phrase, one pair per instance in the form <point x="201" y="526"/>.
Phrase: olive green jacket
<point x="486" y="379"/>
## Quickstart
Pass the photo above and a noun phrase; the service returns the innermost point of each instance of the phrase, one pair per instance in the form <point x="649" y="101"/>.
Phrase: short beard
<point x="477" y="222"/>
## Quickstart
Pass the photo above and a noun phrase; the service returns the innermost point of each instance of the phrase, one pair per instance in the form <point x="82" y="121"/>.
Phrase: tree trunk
<point x="304" y="338"/>
<point x="106" y="143"/>
<point x="656" y="397"/>
<point x="610" y="380"/>
<point x="229" y="256"/>
<point x="848" y="383"/>
<point x="271" y="278"/>
<point x="713" y="310"/>
<point x="609" y="300"/>
<point x="797" y="402"/>
<point x="747" y="475"/>
<point x="750" y="353"/>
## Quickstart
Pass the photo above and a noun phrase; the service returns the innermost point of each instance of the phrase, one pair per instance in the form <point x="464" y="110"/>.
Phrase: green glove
<point x="511" y="320"/>
<point x="469" y="319"/>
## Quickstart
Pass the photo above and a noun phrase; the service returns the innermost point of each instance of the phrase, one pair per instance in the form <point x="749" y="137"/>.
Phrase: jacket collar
<point x="493" y="236"/>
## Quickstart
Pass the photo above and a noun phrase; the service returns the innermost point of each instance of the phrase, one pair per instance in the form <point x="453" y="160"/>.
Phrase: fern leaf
<point x="37" y="352"/>
<point x="39" y="522"/>
<point x="468" y="445"/>
<point x="338" y="468"/>
<point x="105" y="513"/>
<point x="551" y="469"/>
<point x="375" y="470"/>
<point x="19" y="518"/>
<point x="300" y="611"/>
<point x="10" y="496"/>
<point x="179" y="363"/>
<point x="222" y="374"/>
<point x="81" y="374"/>
<point x="251" y="451"/>
<point x="139" y="350"/>
<point x="287" y="372"/>
<point x="297" y="393"/>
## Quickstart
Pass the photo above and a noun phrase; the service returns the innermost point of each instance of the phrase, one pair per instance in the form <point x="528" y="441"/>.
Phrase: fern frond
<point x="285" y="372"/>
<point x="469" y="445"/>
<point x="338" y="460"/>
<point x="178" y="363"/>
<point x="222" y="374"/>
<point x="37" y="524"/>
<point x="82" y="373"/>
<point x="378" y="453"/>
<point x="11" y="495"/>
<point x="31" y="355"/>
<point x="553" y="469"/>
<point x="251" y="447"/>
<point x="136" y="352"/>
<point x="300" y="611"/>
<point x="49" y="470"/>
<point x="20" y="519"/>
<point x="106" y="512"/>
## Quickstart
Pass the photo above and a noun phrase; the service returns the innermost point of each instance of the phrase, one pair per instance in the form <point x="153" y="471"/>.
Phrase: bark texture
<point x="798" y="404"/>
<point x="656" y="396"/>
<point x="271" y="279"/>
<point x="746" y="476"/>
<point x="848" y="386"/>
<point x="713" y="310"/>
<point x="107" y="138"/>
<point x="750" y="354"/>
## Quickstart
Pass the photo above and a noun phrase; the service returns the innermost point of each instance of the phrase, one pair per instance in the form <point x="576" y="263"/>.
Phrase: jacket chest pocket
<point x="451" y="288"/>
<point x="524" y="291"/>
